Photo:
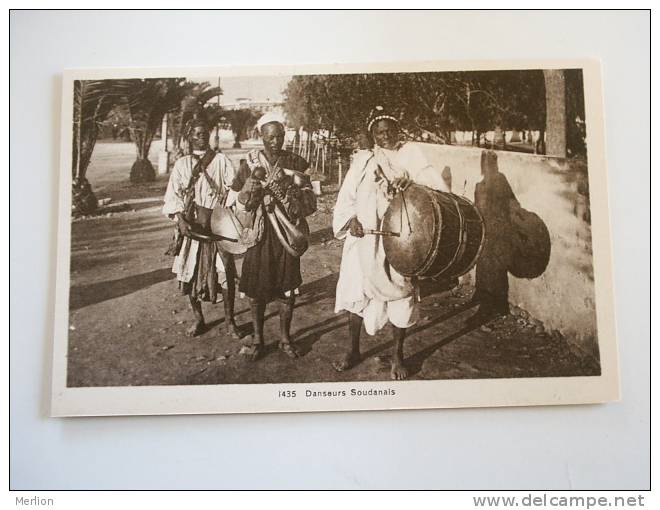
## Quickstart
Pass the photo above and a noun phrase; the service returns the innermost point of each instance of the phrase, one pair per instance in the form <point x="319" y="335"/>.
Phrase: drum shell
<point x="444" y="237"/>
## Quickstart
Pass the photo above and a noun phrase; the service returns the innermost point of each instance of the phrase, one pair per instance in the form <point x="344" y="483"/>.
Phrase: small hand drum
<point x="225" y="223"/>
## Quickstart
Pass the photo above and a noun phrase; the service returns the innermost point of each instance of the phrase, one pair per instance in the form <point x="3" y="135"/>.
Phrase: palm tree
<point x="92" y="102"/>
<point x="195" y="103"/>
<point x="240" y="121"/>
<point x="148" y="101"/>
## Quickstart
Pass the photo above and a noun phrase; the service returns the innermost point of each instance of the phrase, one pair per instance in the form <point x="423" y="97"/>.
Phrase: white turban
<point x="272" y="116"/>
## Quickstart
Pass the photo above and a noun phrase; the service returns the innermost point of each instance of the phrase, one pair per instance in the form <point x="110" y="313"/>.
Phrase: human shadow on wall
<point x="517" y="241"/>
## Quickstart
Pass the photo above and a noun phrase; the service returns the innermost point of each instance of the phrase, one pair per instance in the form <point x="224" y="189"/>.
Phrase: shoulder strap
<point x="200" y="167"/>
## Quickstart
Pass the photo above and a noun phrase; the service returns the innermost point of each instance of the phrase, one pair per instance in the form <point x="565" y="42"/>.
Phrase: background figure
<point x="364" y="140"/>
<point x="495" y="200"/>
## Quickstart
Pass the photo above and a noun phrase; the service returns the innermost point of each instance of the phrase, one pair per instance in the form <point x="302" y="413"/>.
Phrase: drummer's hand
<point x="401" y="183"/>
<point x="355" y="228"/>
<point x="184" y="226"/>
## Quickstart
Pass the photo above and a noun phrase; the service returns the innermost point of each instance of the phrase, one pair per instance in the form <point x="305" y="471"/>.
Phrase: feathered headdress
<point x="194" y="113"/>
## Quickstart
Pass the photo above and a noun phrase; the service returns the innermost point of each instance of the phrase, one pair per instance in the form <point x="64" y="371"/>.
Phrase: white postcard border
<point x="257" y="398"/>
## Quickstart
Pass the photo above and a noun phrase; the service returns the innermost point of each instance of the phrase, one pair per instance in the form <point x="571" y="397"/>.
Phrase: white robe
<point x="366" y="287"/>
<point x="222" y="172"/>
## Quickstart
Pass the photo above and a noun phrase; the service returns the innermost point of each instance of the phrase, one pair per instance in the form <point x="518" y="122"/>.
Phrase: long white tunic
<point x="367" y="285"/>
<point x="222" y="173"/>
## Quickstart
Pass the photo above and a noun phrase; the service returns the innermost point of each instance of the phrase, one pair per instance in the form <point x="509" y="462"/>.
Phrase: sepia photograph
<point x="361" y="237"/>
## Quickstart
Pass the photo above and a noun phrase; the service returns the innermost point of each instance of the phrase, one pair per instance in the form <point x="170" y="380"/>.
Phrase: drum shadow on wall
<point x="516" y="241"/>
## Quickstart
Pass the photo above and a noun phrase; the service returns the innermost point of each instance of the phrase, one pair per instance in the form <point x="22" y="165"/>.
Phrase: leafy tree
<point x="148" y="101"/>
<point x="240" y="120"/>
<point x="93" y="100"/>
<point x="429" y="105"/>
<point x="196" y="102"/>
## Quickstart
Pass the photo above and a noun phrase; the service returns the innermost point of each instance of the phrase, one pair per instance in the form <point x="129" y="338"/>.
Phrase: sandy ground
<point x="127" y="318"/>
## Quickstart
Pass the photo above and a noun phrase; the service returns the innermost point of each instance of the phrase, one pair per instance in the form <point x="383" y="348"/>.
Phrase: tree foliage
<point x="196" y="103"/>
<point x="93" y="100"/>
<point x="429" y="105"/>
<point x="148" y="101"/>
<point x="240" y="121"/>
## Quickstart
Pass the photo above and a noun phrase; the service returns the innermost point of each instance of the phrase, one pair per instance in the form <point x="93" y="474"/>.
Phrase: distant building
<point x="262" y="106"/>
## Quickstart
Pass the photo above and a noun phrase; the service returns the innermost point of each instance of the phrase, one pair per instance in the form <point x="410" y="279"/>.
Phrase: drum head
<point x="225" y="223"/>
<point x="414" y="215"/>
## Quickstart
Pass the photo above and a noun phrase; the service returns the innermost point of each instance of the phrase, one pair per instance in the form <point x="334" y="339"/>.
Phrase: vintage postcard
<point x="333" y="237"/>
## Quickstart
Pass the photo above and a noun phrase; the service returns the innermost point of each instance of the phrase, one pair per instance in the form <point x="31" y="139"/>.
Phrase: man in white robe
<point x="369" y="288"/>
<point x="201" y="267"/>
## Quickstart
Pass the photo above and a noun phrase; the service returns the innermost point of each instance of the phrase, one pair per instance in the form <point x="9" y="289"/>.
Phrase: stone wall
<point x="557" y="190"/>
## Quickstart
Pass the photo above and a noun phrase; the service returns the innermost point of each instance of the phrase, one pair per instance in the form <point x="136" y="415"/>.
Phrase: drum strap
<point x="203" y="166"/>
<point x="201" y="163"/>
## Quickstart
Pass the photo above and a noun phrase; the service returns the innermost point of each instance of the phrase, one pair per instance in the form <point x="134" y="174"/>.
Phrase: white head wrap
<point x="272" y="116"/>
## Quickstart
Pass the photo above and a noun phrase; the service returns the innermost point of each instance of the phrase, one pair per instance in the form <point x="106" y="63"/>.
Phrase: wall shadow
<point x="516" y="240"/>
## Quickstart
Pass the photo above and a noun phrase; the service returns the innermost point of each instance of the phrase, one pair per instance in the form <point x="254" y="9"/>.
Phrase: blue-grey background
<point x="585" y="447"/>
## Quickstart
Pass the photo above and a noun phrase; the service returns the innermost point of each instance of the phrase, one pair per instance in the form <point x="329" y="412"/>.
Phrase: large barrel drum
<point x="441" y="234"/>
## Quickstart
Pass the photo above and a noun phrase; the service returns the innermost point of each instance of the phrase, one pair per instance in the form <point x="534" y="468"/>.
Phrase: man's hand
<point x="401" y="183"/>
<point x="355" y="228"/>
<point x="253" y="185"/>
<point x="184" y="226"/>
<point x="251" y="194"/>
<point x="269" y="203"/>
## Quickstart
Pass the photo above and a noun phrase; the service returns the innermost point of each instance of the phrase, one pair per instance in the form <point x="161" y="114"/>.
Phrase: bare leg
<point x="198" y="327"/>
<point x="398" y="369"/>
<point x="352" y="357"/>
<point x="228" y="298"/>
<point x="229" y="295"/>
<point x="286" y="316"/>
<point x="257" y="308"/>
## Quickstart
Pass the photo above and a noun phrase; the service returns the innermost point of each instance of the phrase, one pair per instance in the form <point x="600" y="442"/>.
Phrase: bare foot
<point x="348" y="360"/>
<point x="233" y="331"/>
<point x="289" y="350"/>
<point x="196" y="329"/>
<point x="398" y="371"/>
<point x="253" y="352"/>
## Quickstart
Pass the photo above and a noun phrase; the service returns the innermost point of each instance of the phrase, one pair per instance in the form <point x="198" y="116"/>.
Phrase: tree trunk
<point x="555" y="112"/>
<point x="83" y="200"/>
<point x="540" y="147"/>
<point x="499" y="137"/>
<point x="142" y="170"/>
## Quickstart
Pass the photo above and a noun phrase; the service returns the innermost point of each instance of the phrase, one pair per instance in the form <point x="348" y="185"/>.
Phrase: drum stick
<point x="405" y="208"/>
<point x="381" y="232"/>
<point x="228" y="239"/>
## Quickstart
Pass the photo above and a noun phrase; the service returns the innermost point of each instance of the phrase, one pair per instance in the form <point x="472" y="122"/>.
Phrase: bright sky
<point x="257" y="88"/>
